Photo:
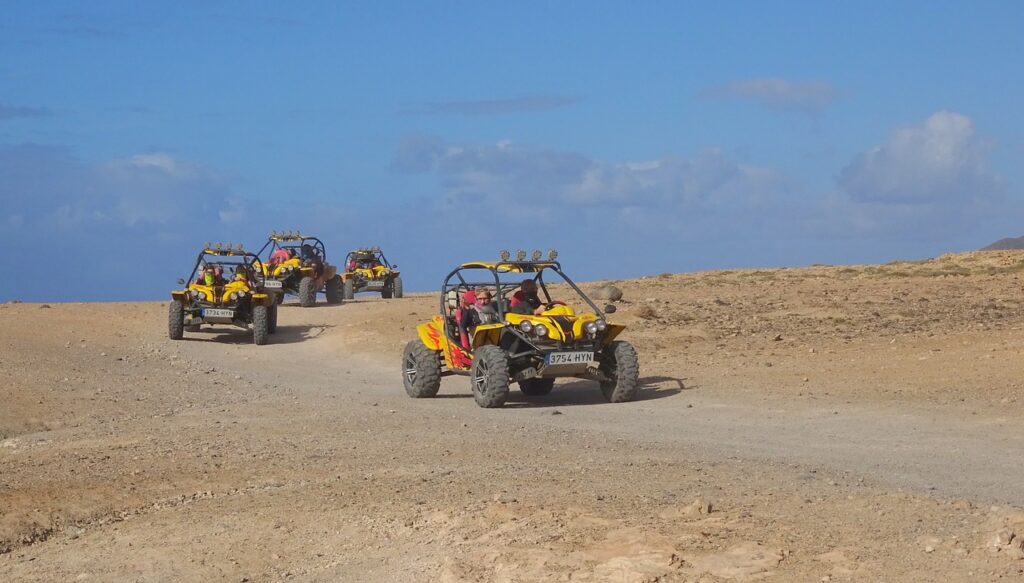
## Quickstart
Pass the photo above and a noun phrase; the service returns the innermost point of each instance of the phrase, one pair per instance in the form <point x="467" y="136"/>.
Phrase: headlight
<point x="591" y="328"/>
<point x="526" y="326"/>
<point x="541" y="330"/>
<point x="601" y="325"/>
<point x="233" y="296"/>
<point x="195" y="293"/>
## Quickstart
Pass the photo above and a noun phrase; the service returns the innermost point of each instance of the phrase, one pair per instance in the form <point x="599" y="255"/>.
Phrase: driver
<point x="526" y="300"/>
<point x="212" y="275"/>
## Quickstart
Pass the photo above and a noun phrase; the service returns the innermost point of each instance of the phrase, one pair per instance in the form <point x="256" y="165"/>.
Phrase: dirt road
<point x="784" y="451"/>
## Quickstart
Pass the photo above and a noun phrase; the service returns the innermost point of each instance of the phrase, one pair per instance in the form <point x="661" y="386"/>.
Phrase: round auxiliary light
<point x="505" y="255"/>
<point x="208" y="245"/>
<point x="552" y="254"/>
<point x="536" y="255"/>
<point x="217" y="246"/>
<point x="526" y="326"/>
<point x="233" y="296"/>
<point x="540" y="330"/>
<point x="520" y="255"/>
<point x="601" y="325"/>
<point x="591" y="328"/>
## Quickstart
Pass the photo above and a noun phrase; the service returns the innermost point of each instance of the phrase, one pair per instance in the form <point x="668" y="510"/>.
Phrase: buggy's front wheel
<point x="260" y="325"/>
<point x="176" y="320"/>
<point x="307" y="292"/>
<point x="620" y="365"/>
<point x="421" y="370"/>
<point x="489" y="376"/>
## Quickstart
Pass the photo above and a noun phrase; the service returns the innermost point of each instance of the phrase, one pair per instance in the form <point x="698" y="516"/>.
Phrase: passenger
<point x="478" y="308"/>
<point x="241" y="275"/>
<point x="279" y="256"/>
<point x="526" y="300"/>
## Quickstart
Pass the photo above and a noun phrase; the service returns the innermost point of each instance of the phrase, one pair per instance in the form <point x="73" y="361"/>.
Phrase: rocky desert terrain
<point x="854" y="423"/>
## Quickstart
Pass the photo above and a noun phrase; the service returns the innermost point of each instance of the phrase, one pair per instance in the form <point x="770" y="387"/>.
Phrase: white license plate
<point x="218" y="313"/>
<point x="569" y="358"/>
<point x="272" y="284"/>
<point x="375" y="283"/>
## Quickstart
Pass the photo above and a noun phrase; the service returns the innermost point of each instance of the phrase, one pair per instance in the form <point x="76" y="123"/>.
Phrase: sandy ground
<point x="828" y="423"/>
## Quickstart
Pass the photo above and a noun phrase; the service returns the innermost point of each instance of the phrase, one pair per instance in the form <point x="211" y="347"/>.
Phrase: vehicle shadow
<point x="582" y="392"/>
<point x="289" y="334"/>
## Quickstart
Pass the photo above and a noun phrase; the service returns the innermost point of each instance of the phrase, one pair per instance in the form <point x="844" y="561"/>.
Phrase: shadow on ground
<point x="575" y="392"/>
<point x="285" y="334"/>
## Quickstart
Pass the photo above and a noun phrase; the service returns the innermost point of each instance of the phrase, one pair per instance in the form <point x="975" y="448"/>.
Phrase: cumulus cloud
<point x="514" y="173"/>
<point x="524" y="104"/>
<point x="939" y="160"/>
<point x="775" y="93"/>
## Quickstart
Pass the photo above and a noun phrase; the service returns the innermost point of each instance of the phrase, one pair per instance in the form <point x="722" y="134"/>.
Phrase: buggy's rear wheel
<point x="333" y="290"/>
<point x="260" y="325"/>
<point x="307" y="292"/>
<point x="536" y="387"/>
<point x="489" y="376"/>
<point x="619" y="363"/>
<point x="176" y="320"/>
<point x="421" y="370"/>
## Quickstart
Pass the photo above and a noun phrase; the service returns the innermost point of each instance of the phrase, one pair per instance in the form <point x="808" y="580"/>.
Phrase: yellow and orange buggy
<point x="368" y="270"/>
<point x="506" y="344"/>
<point x="297" y="264"/>
<point x="226" y="287"/>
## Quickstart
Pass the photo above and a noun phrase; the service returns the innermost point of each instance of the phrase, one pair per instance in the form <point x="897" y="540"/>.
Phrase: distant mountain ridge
<point x="1006" y="244"/>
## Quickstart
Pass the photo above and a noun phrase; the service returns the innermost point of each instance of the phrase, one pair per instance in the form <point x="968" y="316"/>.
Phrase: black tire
<point x="349" y="289"/>
<point x="421" y="370"/>
<point x="396" y="287"/>
<point x="307" y="292"/>
<point x="260" y="325"/>
<point x="619" y="362"/>
<point x="489" y="377"/>
<point x="333" y="290"/>
<point x="386" y="292"/>
<point x="536" y="387"/>
<point x="272" y="318"/>
<point x="176" y="320"/>
<point x="279" y="299"/>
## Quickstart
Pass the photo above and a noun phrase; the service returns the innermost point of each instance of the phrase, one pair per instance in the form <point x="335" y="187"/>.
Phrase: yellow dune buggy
<point x="226" y="287"/>
<point x="367" y="270"/>
<point x="532" y="347"/>
<point x="298" y="264"/>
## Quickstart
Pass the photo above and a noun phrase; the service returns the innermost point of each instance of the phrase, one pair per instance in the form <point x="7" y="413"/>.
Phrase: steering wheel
<point x="554" y="303"/>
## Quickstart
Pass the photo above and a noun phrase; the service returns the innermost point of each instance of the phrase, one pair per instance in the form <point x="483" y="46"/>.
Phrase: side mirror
<point x="610" y="309"/>
<point x="181" y="281"/>
<point x="394" y="266"/>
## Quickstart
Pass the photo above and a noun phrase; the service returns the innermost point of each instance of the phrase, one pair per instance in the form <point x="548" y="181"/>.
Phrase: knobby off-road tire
<point x="421" y="370"/>
<point x="176" y="320"/>
<point x="396" y="287"/>
<point x="489" y="377"/>
<point x="307" y="292"/>
<point x="349" y="289"/>
<point x="333" y="290"/>
<point x="260" y="325"/>
<point x="620" y="364"/>
<point x="272" y="318"/>
<point x="536" y="387"/>
<point x="279" y="299"/>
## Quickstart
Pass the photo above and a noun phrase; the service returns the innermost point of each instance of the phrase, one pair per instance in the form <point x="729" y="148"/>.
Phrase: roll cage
<point x="369" y="253"/>
<point x="293" y="241"/>
<point x="228" y="258"/>
<point x="515" y="272"/>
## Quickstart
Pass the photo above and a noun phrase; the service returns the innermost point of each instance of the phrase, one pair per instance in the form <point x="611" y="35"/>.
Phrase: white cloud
<point x="806" y="96"/>
<point x="941" y="160"/>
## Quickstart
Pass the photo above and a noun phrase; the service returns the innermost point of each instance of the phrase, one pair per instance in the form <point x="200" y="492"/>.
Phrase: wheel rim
<point x="480" y="378"/>
<point x="410" y="369"/>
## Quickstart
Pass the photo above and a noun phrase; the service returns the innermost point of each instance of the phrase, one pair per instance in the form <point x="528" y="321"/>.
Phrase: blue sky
<point x="635" y="137"/>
